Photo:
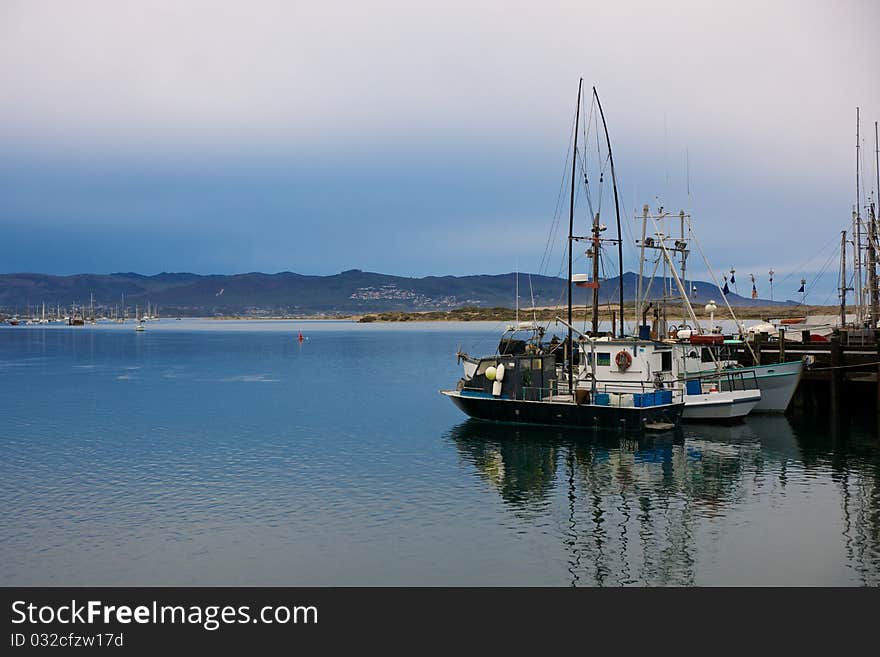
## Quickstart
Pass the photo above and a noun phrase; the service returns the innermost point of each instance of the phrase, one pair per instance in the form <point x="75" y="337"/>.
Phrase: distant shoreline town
<point x="351" y="294"/>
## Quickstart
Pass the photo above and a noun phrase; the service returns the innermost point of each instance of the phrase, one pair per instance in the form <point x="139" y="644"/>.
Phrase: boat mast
<point x="577" y="117"/>
<point x="843" y="287"/>
<point x="595" y="251"/>
<point x="872" y="239"/>
<point x="616" y="210"/>
<point x="857" y="243"/>
<point x="639" y="301"/>
<point x="873" y="297"/>
<point x="681" y="246"/>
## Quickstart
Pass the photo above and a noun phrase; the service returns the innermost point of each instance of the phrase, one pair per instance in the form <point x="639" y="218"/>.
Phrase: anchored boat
<point x="526" y="382"/>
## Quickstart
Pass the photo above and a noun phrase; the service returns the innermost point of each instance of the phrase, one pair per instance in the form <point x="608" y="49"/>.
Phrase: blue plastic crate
<point x="602" y="399"/>
<point x="694" y="388"/>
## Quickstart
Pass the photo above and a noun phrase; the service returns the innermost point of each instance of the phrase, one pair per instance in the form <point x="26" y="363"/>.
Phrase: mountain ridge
<point x="348" y="292"/>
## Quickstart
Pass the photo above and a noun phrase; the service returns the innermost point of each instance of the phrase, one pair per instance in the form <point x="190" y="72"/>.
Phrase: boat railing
<point x="731" y="379"/>
<point x="606" y="393"/>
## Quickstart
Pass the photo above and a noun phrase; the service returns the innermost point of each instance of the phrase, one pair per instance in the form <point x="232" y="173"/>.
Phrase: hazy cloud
<point x="242" y="130"/>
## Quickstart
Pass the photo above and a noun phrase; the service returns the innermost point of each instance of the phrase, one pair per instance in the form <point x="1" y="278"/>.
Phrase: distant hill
<point x="350" y="292"/>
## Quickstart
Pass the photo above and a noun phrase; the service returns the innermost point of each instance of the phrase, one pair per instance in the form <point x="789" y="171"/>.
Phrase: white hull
<point x="728" y="405"/>
<point x="777" y="384"/>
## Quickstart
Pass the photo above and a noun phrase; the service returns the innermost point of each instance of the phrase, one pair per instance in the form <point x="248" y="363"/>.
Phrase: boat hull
<point x="720" y="406"/>
<point x="777" y="384"/>
<point x="591" y="416"/>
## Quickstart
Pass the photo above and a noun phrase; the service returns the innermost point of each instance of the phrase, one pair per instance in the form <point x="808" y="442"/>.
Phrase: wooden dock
<point x="843" y="373"/>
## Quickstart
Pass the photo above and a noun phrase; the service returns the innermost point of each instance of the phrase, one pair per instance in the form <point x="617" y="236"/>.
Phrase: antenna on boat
<point x="517" y="293"/>
<point x="616" y="210"/>
<point x="577" y="117"/>
<point x="532" y="295"/>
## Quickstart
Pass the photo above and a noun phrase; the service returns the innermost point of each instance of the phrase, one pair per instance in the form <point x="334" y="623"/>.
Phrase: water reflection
<point x="656" y="510"/>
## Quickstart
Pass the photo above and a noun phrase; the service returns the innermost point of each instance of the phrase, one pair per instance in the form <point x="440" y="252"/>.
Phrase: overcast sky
<point x="422" y="138"/>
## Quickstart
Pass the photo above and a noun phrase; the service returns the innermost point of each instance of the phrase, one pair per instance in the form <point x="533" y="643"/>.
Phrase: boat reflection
<point x="641" y="511"/>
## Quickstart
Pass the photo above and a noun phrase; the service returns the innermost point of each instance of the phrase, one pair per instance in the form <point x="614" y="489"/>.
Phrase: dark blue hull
<point x="588" y="416"/>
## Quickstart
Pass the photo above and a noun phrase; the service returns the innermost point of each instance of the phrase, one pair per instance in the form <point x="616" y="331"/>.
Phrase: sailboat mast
<point x="873" y="237"/>
<point x="873" y="297"/>
<point x="843" y="287"/>
<point x="596" y="274"/>
<point x="857" y="218"/>
<point x="616" y="210"/>
<point x="639" y="300"/>
<point x="577" y="117"/>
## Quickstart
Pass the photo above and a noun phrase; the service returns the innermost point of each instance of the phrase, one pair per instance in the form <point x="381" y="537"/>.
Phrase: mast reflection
<point x="640" y="511"/>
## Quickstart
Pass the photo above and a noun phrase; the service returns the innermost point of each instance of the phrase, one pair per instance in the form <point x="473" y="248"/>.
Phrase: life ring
<point x="623" y="360"/>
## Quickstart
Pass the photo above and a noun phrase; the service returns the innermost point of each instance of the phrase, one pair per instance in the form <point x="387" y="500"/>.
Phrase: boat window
<point x="706" y="355"/>
<point x="537" y="364"/>
<point x="485" y="365"/>
<point x="603" y="358"/>
<point x="666" y="361"/>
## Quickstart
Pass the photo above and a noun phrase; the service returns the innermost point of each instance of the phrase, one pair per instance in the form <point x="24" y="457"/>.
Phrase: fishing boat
<point x="703" y="353"/>
<point x="76" y="319"/>
<point x="715" y="395"/>
<point x="526" y="384"/>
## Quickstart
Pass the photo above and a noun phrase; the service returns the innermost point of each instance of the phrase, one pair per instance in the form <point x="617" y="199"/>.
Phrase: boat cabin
<point x="525" y="377"/>
<point x="628" y="361"/>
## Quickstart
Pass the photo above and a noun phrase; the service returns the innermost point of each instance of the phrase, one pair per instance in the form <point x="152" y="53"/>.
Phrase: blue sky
<point x="419" y="139"/>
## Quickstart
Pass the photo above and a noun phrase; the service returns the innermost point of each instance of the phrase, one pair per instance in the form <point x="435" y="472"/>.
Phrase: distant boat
<point x="300" y="338"/>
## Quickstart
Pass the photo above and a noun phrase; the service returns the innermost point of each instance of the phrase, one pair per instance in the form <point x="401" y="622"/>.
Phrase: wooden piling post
<point x="781" y="345"/>
<point x="877" y="344"/>
<point x="836" y="387"/>
<point x="613" y="323"/>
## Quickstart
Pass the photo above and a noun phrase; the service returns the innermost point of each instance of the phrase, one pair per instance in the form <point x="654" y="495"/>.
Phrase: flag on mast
<point x="725" y="290"/>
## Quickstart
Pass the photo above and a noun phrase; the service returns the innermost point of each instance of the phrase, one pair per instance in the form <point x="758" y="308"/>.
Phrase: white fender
<point x="499" y="373"/>
<point x="496" y="388"/>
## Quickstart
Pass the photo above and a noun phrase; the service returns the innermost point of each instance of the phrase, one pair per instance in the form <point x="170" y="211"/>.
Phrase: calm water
<point x="205" y="452"/>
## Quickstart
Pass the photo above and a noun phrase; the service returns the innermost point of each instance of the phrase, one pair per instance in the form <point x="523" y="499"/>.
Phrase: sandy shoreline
<point x="545" y="314"/>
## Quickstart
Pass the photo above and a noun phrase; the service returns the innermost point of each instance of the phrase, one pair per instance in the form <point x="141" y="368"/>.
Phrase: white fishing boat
<point x="721" y="395"/>
<point x="704" y="352"/>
